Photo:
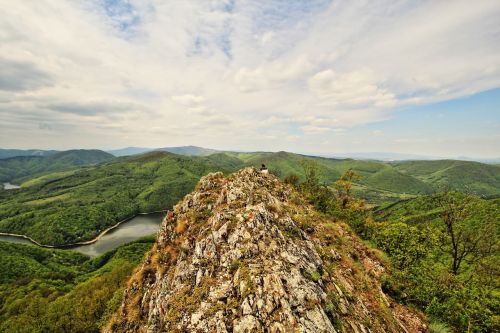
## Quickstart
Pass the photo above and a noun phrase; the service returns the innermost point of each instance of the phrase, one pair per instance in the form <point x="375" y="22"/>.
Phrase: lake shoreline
<point x="72" y="245"/>
<point x="8" y="186"/>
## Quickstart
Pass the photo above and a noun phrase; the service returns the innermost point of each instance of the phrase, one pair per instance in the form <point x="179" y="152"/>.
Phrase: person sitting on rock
<point x="263" y="169"/>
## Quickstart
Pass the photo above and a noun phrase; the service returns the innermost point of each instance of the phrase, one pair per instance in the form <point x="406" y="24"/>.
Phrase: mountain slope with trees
<point x="22" y="168"/>
<point x="465" y="176"/>
<point x="76" y="206"/>
<point x="7" y="153"/>
<point x="44" y="290"/>
<point x="388" y="181"/>
<point x="443" y="249"/>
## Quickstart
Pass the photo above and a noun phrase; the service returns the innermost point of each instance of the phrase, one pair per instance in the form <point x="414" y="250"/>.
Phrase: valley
<point x="76" y="203"/>
<point x="232" y="166"/>
<point x="79" y="199"/>
<point x="124" y="232"/>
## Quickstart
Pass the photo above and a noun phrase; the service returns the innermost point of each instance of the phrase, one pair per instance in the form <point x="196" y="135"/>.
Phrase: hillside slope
<point x="467" y="176"/>
<point x="22" y="168"/>
<point x="71" y="207"/>
<point x="74" y="204"/>
<point x="7" y="153"/>
<point x="189" y="150"/>
<point x="58" y="291"/>
<point x="387" y="181"/>
<point x="181" y="150"/>
<point x="427" y="209"/>
<point x="246" y="254"/>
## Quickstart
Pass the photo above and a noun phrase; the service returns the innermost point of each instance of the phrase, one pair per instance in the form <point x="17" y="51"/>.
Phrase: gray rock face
<point x="232" y="258"/>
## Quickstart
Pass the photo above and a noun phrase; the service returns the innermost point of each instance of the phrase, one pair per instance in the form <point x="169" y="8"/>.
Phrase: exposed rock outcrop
<point x="245" y="253"/>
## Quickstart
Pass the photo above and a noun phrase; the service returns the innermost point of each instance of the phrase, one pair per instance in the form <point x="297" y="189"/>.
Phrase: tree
<point x="406" y="245"/>
<point x="468" y="236"/>
<point x="344" y="185"/>
<point x="292" y="179"/>
<point x="311" y="183"/>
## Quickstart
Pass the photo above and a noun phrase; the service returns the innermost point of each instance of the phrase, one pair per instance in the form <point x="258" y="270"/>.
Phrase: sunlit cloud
<point x="229" y="74"/>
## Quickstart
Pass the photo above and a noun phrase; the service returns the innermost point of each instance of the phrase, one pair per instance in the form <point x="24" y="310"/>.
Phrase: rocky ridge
<point x="245" y="253"/>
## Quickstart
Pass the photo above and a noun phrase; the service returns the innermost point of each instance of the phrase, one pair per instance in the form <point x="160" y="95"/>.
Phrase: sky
<point x="415" y="77"/>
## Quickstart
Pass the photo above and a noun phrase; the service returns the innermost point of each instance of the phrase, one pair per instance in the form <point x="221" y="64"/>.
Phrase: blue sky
<point x="467" y="124"/>
<point x="474" y="115"/>
<point x="319" y="76"/>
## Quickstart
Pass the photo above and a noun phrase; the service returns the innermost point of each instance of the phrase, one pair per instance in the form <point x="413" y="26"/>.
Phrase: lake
<point x="135" y="228"/>
<point x="9" y="186"/>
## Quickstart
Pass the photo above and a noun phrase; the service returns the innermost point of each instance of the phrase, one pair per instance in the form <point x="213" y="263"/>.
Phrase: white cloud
<point x="188" y="100"/>
<point x="260" y="69"/>
<point x="272" y="74"/>
<point x="315" y="129"/>
<point x="267" y="37"/>
<point x="350" y="90"/>
<point x="377" y="133"/>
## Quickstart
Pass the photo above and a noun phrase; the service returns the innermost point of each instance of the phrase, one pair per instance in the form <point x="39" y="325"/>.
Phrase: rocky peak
<point x="245" y="253"/>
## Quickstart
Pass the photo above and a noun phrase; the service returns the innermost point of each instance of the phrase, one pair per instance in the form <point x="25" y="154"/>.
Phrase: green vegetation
<point x="444" y="250"/>
<point x="75" y="206"/>
<point x="189" y="150"/>
<point x="21" y="261"/>
<point x="446" y="257"/>
<point x="6" y="153"/>
<point x="45" y="290"/>
<point x="382" y="182"/>
<point x="19" y="169"/>
<point x="464" y="176"/>
<point x="182" y="150"/>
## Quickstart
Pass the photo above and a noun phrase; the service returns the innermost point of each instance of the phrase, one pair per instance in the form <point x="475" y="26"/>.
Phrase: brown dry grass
<point x="181" y="226"/>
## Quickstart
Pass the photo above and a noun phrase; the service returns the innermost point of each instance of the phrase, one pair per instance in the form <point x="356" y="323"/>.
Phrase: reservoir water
<point x="135" y="228"/>
<point x="9" y="186"/>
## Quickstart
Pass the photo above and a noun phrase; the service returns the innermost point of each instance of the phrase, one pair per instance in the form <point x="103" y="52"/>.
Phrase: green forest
<point x="69" y="207"/>
<point x="44" y="290"/>
<point x="435" y="224"/>
<point x="75" y="203"/>
<point x="19" y="169"/>
<point x="443" y="249"/>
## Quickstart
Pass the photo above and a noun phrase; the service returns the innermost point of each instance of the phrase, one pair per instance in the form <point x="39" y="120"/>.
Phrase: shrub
<point x="437" y="327"/>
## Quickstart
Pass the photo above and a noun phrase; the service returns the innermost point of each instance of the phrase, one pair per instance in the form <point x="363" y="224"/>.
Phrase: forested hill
<point x="388" y="181"/>
<point x="465" y="176"/>
<point x="67" y="203"/>
<point x="21" y="168"/>
<point x="74" y="206"/>
<point x="182" y="150"/>
<point x="7" y="153"/>
<point x="44" y="290"/>
<point x="380" y="181"/>
<point x="76" y="203"/>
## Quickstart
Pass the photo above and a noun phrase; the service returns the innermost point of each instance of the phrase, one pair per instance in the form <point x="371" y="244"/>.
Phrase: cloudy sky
<point x="419" y="77"/>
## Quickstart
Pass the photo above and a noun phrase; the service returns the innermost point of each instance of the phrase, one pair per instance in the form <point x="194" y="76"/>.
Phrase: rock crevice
<point x="234" y="256"/>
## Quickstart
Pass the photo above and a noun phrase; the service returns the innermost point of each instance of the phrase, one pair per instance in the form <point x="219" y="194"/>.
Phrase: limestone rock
<point x="245" y="253"/>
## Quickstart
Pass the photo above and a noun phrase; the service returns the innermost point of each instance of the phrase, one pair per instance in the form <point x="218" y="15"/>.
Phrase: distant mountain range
<point x="21" y="168"/>
<point x="381" y="156"/>
<point x="6" y="153"/>
<point x="385" y="156"/>
<point x="377" y="156"/>
<point x="381" y="180"/>
<point x="97" y="189"/>
<point x="201" y="151"/>
<point x="182" y="150"/>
